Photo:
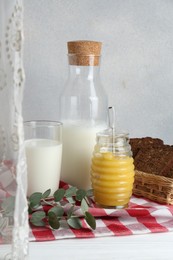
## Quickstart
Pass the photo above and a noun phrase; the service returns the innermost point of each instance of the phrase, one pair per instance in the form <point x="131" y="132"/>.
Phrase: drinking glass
<point x="43" y="147"/>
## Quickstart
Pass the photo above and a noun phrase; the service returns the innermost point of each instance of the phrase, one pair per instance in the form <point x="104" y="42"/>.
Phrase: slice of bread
<point x="151" y="155"/>
<point x="144" y="142"/>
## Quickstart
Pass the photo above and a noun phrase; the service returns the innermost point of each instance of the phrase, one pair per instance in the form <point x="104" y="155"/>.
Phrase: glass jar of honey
<point x="112" y="170"/>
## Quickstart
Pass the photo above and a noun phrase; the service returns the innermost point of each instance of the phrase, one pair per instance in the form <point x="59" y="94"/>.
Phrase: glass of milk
<point x="43" y="146"/>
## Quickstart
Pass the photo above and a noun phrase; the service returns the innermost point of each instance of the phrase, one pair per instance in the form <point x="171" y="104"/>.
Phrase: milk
<point x="43" y="164"/>
<point x="78" y="146"/>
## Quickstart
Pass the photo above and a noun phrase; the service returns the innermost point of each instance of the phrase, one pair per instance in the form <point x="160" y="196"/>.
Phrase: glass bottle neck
<point x="88" y="72"/>
<point x="85" y="66"/>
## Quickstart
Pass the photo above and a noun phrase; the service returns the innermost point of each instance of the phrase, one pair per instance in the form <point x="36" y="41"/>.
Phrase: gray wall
<point x="137" y="58"/>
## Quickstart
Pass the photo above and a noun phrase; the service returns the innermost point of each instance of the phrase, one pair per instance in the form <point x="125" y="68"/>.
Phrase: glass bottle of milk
<point x="83" y="111"/>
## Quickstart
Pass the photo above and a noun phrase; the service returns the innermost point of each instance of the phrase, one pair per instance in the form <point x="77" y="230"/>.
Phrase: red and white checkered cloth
<point x="141" y="217"/>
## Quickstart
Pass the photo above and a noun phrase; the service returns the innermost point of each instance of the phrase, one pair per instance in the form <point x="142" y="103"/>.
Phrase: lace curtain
<point x="13" y="203"/>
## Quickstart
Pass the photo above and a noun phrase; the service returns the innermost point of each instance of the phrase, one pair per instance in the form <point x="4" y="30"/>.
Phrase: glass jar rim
<point x="42" y="123"/>
<point x="111" y="132"/>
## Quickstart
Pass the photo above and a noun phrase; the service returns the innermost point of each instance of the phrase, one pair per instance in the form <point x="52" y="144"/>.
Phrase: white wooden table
<point x="158" y="246"/>
<point x="136" y="247"/>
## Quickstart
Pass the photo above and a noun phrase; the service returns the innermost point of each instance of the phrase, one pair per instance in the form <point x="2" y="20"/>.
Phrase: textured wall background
<point x="137" y="58"/>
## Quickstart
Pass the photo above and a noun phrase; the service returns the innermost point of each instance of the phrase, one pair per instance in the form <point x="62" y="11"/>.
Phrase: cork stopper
<point x="84" y="53"/>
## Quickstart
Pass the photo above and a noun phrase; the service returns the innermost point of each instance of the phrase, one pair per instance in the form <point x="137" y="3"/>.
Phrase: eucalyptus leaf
<point x="35" y="199"/>
<point x="89" y="193"/>
<point x="74" y="222"/>
<point x="46" y="194"/>
<point x="8" y="205"/>
<point x="53" y="220"/>
<point x="57" y="210"/>
<point x="80" y="194"/>
<point x="84" y="206"/>
<point x="90" y="220"/>
<point x="37" y="218"/>
<point x="70" y="212"/>
<point x="71" y="200"/>
<point x="70" y="192"/>
<point x="3" y="223"/>
<point x="59" y="194"/>
<point x="30" y="209"/>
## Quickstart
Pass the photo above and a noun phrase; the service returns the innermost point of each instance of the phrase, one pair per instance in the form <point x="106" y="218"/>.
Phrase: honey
<point x="112" y="171"/>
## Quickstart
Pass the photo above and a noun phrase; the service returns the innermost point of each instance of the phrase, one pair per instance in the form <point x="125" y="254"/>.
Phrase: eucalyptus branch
<point x="73" y="198"/>
<point x="47" y="202"/>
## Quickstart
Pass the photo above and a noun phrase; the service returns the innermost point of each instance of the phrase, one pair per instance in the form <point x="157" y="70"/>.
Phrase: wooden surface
<point x="158" y="246"/>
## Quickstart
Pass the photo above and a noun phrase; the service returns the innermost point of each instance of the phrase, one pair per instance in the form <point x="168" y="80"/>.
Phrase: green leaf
<point x="70" y="212"/>
<point x="90" y="220"/>
<point x="59" y="194"/>
<point x="46" y="194"/>
<point x="74" y="222"/>
<point x="84" y="206"/>
<point x="8" y="205"/>
<point x="53" y="220"/>
<point x="70" y="192"/>
<point x="37" y="218"/>
<point x="71" y="200"/>
<point x="3" y="224"/>
<point x="57" y="210"/>
<point x="80" y="194"/>
<point x="89" y="193"/>
<point x="30" y="210"/>
<point x="35" y="199"/>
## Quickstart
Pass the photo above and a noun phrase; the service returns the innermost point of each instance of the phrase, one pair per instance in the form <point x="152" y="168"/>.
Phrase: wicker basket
<point x="153" y="187"/>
